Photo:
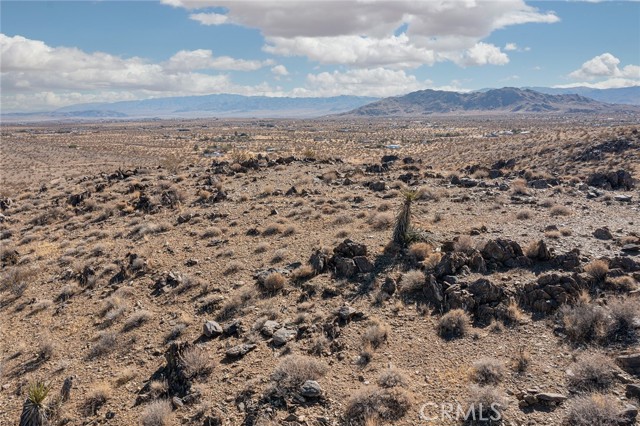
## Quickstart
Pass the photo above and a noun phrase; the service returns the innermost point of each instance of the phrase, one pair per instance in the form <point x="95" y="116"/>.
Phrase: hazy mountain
<point x="495" y="101"/>
<point x="624" y="95"/>
<point x="207" y="106"/>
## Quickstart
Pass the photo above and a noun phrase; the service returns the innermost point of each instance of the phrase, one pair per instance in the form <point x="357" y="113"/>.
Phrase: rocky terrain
<point x="326" y="272"/>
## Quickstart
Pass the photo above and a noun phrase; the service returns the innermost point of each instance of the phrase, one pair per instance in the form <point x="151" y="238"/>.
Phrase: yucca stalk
<point x="403" y="221"/>
<point x="34" y="412"/>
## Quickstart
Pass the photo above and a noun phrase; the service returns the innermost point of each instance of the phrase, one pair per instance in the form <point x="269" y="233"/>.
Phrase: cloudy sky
<point x="58" y="53"/>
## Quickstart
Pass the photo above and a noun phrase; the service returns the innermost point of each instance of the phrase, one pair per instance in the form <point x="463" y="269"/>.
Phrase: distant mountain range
<point x="507" y="100"/>
<point x="205" y="106"/>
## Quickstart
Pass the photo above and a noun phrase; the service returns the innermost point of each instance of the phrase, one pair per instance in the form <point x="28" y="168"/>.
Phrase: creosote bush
<point x="454" y="323"/>
<point x="594" y="410"/>
<point x="487" y="371"/>
<point x="592" y="372"/>
<point x="156" y="413"/>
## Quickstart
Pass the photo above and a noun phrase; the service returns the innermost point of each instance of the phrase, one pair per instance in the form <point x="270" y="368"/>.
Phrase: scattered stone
<point x="603" y="233"/>
<point x="232" y="328"/>
<point x="269" y="327"/>
<point x="631" y="248"/>
<point x="623" y="198"/>
<point x="630" y="363"/>
<point x="311" y="389"/>
<point x="551" y="398"/>
<point x="211" y="329"/>
<point x="633" y="390"/>
<point x="177" y="402"/>
<point x="282" y="336"/>
<point x="377" y="186"/>
<point x="345" y="313"/>
<point x="240" y="350"/>
<point x="629" y="415"/>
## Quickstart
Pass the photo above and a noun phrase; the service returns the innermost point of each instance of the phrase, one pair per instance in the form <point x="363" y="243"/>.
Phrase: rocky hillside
<point x="497" y="101"/>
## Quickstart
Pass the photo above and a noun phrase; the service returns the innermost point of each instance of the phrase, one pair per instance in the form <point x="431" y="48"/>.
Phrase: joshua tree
<point x="403" y="222"/>
<point x="34" y="412"/>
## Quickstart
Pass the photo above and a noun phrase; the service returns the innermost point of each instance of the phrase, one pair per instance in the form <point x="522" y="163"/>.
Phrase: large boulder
<point x="504" y="253"/>
<point x="549" y="292"/>
<point x="620" y="179"/>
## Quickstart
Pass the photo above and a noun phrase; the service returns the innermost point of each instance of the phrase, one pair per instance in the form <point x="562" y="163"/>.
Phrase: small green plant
<point x="34" y="411"/>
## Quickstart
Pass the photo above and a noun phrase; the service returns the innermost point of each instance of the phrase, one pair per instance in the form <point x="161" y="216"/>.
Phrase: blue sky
<point x="64" y="52"/>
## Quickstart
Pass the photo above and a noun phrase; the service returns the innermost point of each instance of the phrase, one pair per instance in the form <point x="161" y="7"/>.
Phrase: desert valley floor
<point x="229" y="272"/>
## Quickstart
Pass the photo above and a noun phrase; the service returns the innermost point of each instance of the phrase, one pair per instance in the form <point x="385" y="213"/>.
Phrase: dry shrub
<point x="303" y="273"/>
<point x="592" y="372"/>
<point x="233" y="306"/>
<point x="412" y="281"/>
<point x="279" y="256"/>
<point x="624" y="314"/>
<point x="597" y="269"/>
<point x="519" y="187"/>
<point x="623" y="283"/>
<point x="233" y="267"/>
<point x="454" y="323"/>
<point x="125" y="376"/>
<point x="374" y="404"/>
<point x="343" y="219"/>
<point x="464" y="244"/>
<point x="273" y="229"/>
<point x="381" y="221"/>
<point x="584" y="322"/>
<point x="513" y="315"/>
<point x="560" y="211"/>
<point x="261" y="248"/>
<point x="274" y="281"/>
<point x="522" y="360"/>
<point x="319" y="346"/>
<point x="294" y="370"/>
<point x="137" y="319"/>
<point x="290" y="230"/>
<point x="524" y="214"/>
<point x="106" y="342"/>
<point x="594" y="410"/>
<point x="212" y="232"/>
<point x="156" y="413"/>
<point x="391" y="378"/>
<point x="486" y="402"/>
<point x="487" y="371"/>
<point x="376" y="334"/>
<point x="420" y="251"/>
<point x="432" y="260"/>
<point x="197" y="362"/>
<point x="96" y="398"/>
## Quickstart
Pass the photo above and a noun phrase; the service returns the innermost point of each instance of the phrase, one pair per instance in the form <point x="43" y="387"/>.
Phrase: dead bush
<point x="454" y="323"/>
<point x="592" y="372"/>
<point x="594" y="410"/>
<point x="597" y="269"/>
<point x="420" y="251"/>
<point x="487" y="371"/>
<point x="197" y="362"/>
<point x="106" y="342"/>
<point x="624" y="314"/>
<point x="585" y="322"/>
<point x="485" y="402"/>
<point x="412" y="282"/>
<point x="381" y="221"/>
<point x="294" y="370"/>
<point x="391" y="378"/>
<point x="96" y="398"/>
<point x="376" y="334"/>
<point x="274" y="281"/>
<point x="373" y="404"/>
<point x="157" y="413"/>
<point x="137" y="319"/>
<point x="560" y="211"/>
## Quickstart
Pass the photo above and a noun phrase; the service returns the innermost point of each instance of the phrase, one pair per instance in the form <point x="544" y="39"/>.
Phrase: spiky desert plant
<point x="34" y="412"/>
<point x="403" y="221"/>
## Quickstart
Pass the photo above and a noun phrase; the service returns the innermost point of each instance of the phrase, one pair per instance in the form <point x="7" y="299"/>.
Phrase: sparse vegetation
<point x="454" y="323"/>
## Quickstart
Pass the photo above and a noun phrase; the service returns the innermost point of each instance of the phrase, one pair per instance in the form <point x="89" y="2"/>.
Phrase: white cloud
<point x="605" y="68"/>
<point x="280" y="70"/>
<point x="483" y="54"/>
<point x="361" y="33"/>
<point x="209" y="18"/>
<point x="392" y="51"/>
<point x="379" y="82"/>
<point x="510" y="47"/>
<point x="33" y="73"/>
<point x="201" y="59"/>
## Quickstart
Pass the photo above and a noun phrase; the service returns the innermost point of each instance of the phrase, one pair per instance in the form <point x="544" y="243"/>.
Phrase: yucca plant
<point x="34" y="411"/>
<point x="403" y="221"/>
